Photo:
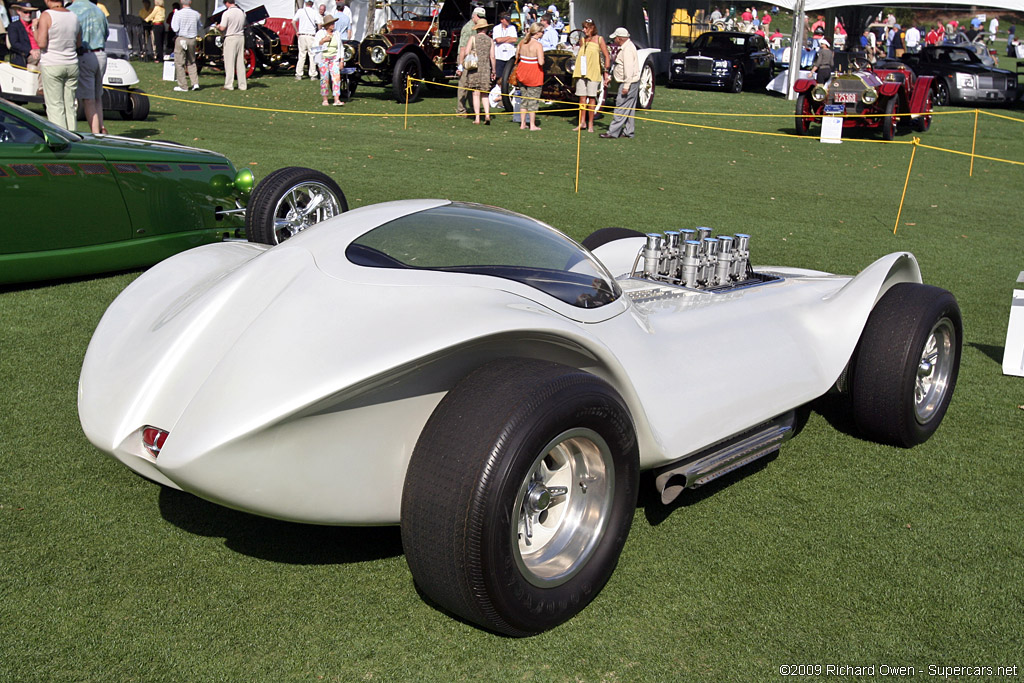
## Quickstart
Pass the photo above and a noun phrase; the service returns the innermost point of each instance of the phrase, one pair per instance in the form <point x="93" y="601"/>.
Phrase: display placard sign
<point x="831" y="124"/>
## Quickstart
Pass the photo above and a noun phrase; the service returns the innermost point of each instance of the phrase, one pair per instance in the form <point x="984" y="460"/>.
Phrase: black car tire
<point x="924" y="122"/>
<point x="348" y="86"/>
<point x="645" y="93"/>
<point x="897" y="400"/>
<point x="506" y="90"/>
<point x="276" y="209"/>
<point x="889" y="120"/>
<point x="803" y="109"/>
<point x="136" y="107"/>
<point x="603" y="236"/>
<point x="941" y="91"/>
<point x="736" y="86"/>
<point x="480" y="470"/>
<point x="407" y="65"/>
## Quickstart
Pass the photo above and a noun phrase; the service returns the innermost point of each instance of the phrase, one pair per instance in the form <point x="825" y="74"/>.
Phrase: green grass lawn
<point x="838" y="551"/>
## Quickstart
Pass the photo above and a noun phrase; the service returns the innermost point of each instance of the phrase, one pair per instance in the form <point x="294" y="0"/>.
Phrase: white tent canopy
<point x="815" y="5"/>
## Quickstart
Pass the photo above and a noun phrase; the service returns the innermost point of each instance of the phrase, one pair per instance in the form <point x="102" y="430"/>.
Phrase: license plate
<point x="845" y="97"/>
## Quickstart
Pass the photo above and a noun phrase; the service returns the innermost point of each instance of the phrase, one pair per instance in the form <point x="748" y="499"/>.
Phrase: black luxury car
<point x="723" y="59"/>
<point x="961" y="76"/>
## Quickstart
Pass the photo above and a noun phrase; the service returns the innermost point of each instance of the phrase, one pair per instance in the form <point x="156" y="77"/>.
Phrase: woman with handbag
<point x="530" y="74"/>
<point x="478" y="60"/>
<point x="592" y="60"/>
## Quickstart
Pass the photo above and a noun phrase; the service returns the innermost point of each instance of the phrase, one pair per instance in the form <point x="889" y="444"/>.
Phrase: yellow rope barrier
<point x="906" y="182"/>
<point x="974" y="139"/>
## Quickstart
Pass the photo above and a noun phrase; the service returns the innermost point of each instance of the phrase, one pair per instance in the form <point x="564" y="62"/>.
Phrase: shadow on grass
<point x="993" y="352"/>
<point x="277" y="541"/>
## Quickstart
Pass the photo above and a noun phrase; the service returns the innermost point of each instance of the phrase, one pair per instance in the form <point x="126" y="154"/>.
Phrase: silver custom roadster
<point x="492" y="386"/>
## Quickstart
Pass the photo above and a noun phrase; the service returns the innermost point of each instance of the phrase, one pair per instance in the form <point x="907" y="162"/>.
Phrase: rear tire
<point x="603" y="236"/>
<point x="519" y="495"/>
<point x="906" y="364"/>
<point x="137" y="107"/>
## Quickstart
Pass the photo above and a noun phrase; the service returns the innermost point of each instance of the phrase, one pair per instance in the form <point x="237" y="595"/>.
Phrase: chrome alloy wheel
<point x="562" y="508"/>
<point x="934" y="369"/>
<point x="301" y="206"/>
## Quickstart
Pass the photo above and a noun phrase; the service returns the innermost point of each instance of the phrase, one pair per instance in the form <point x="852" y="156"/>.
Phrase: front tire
<point x="645" y="95"/>
<point x="923" y="122"/>
<point x="737" y="81"/>
<point x="803" y="114"/>
<point x="889" y="121"/>
<point x="519" y="495"/>
<point x="941" y="91"/>
<point x="288" y="201"/>
<point x="906" y="364"/>
<point x="407" y="66"/>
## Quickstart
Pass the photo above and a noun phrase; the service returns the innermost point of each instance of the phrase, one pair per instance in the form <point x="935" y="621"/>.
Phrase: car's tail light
<point x="153" y="440"/>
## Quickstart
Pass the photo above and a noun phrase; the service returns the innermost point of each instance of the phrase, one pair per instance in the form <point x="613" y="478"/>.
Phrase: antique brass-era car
<point x="263" y="47"/>
<point x="415" y="40"/>
<point x="882" y="96"/>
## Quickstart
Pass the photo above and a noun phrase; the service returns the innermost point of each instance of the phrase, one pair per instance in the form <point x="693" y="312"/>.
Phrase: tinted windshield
<point x="719" y="41"/>
<point x="483" y="240"/>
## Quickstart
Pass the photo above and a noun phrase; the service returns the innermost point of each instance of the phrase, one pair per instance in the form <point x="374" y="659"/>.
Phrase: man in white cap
<point x="822" y="66"/>
<point x="626" y="72"/>
<point x="478" y="16"/>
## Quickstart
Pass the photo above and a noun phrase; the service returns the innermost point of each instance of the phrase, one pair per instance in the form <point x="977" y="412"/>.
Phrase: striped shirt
<point x="185" y="22"/>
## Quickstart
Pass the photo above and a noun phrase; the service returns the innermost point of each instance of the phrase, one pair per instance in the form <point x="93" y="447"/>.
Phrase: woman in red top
<point x="530" y="73"/>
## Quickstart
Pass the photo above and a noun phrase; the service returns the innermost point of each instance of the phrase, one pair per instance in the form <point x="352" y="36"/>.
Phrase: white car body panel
<point x="294" y="383"/>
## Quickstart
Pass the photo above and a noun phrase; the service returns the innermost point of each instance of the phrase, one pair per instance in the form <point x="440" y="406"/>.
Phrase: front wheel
<point x="804" y="115"/>
<point x="737" y="81"/>
<point x="408" y="66"/>
<point x="924" y="120"/>
<point x="889" y="121"/>
<point x="645" y="94"/>
<point x="941" y="91"/>
<point x="288" y="201"/>
<point x="906" y="364"/>
<point x="519" y="495"/>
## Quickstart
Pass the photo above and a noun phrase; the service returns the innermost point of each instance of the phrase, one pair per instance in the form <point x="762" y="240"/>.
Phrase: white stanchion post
<point x="1013" y="350"/>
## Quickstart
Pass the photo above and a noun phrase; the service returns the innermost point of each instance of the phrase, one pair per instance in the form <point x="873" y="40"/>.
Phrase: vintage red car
<point x="883" y="98"/>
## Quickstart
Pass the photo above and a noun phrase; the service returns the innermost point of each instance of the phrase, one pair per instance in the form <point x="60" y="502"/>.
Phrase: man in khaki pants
<point x="232" y="25"/>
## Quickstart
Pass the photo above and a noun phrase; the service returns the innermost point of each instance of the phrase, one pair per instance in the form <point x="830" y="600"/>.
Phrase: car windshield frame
<point x="34" y="120"/>
<point x="462" y="237"/>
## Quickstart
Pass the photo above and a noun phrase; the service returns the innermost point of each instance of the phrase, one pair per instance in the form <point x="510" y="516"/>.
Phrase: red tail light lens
<point x="153" y="440"/>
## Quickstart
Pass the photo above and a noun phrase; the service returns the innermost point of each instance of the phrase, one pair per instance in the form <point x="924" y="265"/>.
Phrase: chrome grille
<point x="699" y="65"/>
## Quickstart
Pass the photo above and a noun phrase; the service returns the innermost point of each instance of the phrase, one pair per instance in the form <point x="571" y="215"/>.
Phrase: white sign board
<point x="1013" y="350"/>
<point x="832" y="126"/>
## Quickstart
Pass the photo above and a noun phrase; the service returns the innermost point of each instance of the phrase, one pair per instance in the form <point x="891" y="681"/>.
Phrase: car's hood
<point x="129" y="149"/>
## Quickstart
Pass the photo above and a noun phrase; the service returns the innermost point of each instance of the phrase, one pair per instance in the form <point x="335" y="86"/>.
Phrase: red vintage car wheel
<point x="924" y="122"/>
<point x="250" y="62"/>
<point x="804" y="114"/>
<point x="889" y="120"/>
